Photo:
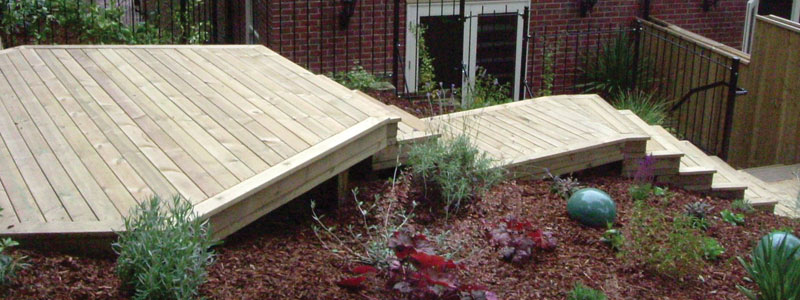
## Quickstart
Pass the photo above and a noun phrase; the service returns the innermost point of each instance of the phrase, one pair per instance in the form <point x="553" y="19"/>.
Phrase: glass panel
<point x="781" y="8"/>
<point x="497" y="46"/>
<point x="444" y="37"/>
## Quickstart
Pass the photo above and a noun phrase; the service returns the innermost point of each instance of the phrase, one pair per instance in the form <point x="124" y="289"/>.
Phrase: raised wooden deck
<point x="90" y="131"/>
<point x="561" y="134"/>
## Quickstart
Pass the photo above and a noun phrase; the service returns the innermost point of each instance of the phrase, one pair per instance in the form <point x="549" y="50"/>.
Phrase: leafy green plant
<point x="645" y="105"/>
<point x="9" y="265"/>
<point x="742" y="205"/>
<point x="486" y="90"/>
<point x="582" y="292"/>
<point x="613" y="238"/>
<point x="732" y="218"/>
<point x="612" y="70"/>
<point x="164" y="251"/>
<point x="672" y="249"/>
<point x="775" y="271"/>
<point x="359" y="79"/>
<point x="455" y="168"/>
<point x="712" y="248"/>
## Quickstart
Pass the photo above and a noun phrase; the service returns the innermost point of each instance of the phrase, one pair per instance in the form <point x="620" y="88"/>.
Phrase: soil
<point x="419" y="107"/>
<point x="279" y="257"/>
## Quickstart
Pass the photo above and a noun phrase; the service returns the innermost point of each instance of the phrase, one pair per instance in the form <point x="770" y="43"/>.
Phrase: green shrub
<point x="9" y="265"/>
<point x="359" y="79"/>
<point x="164" y="250"/>
<point x="613" y="70"/>
<point x="487" y="90"/>
<point x="640" y="191"/>
<point x="456" y="168"/>
<point x="774" y="270"/>
<point x="712" y="248"/>
<point x="582" y="292"/>
<point x="645" y="105"/>
<point x="84" y="22"/>
<point x="674" y="250"/>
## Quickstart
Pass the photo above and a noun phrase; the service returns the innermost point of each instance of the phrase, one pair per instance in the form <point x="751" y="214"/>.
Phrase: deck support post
<point x="342" y="181"/>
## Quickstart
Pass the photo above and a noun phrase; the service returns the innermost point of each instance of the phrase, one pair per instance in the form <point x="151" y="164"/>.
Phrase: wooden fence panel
<point x="767" y="124"/>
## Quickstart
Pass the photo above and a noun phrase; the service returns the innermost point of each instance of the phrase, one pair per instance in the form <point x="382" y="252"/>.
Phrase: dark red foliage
<point x="426" y="261"/>
<point x="364" y="270"/>
<point x="353" y="283"/>
<point x="404" y="243"/>
<point x="518" y="240"/>
<point x="418" y="273"/>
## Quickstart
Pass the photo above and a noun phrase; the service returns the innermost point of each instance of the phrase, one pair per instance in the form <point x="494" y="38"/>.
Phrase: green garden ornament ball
<point x="777" y="237"/>
<point x="592" y="207"/>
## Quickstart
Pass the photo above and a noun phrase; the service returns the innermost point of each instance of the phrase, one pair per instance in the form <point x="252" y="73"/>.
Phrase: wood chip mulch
<point x="279" y="257"/>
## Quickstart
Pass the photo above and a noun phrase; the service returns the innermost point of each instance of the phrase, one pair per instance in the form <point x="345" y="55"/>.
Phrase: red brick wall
<point x="723" y="22"/>
<point x="308" y="31"/>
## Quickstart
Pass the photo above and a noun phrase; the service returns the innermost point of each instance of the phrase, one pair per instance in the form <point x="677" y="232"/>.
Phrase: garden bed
<point x="279" y="257"/>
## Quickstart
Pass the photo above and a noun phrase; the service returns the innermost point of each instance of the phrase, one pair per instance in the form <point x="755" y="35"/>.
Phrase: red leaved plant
<point x="352" y="283"/>
<point x="518" y="241"/>
<point x="418" y="273"/>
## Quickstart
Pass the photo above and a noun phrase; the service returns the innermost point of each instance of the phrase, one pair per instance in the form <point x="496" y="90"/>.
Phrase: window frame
<point x="473" y="9"/>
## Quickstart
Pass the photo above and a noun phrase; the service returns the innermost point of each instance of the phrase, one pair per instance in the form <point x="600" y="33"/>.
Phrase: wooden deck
<point x="561" y="134"/>
<point x="90" y="131"/>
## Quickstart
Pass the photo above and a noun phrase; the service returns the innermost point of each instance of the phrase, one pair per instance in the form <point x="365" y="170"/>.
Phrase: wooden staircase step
<point x="656" y="146"/>
<point x="691" y="162"/>
<point x="725" y="182"/>
<point x="758" y="192"/>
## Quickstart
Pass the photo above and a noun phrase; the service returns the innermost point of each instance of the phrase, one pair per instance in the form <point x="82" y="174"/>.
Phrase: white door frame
<point x="472" y="10"/>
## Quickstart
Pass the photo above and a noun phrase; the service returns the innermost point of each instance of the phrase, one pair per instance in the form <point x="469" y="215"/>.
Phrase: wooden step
<point x="758" y="193"/>
<point x="725" y="182"/>
<point x="692" y="175"/>
<point x="667" y="157"/>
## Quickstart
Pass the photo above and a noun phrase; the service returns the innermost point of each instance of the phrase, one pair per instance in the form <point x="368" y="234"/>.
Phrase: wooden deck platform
<point x="87" y="132"/>
<point x="561" y="134"/>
